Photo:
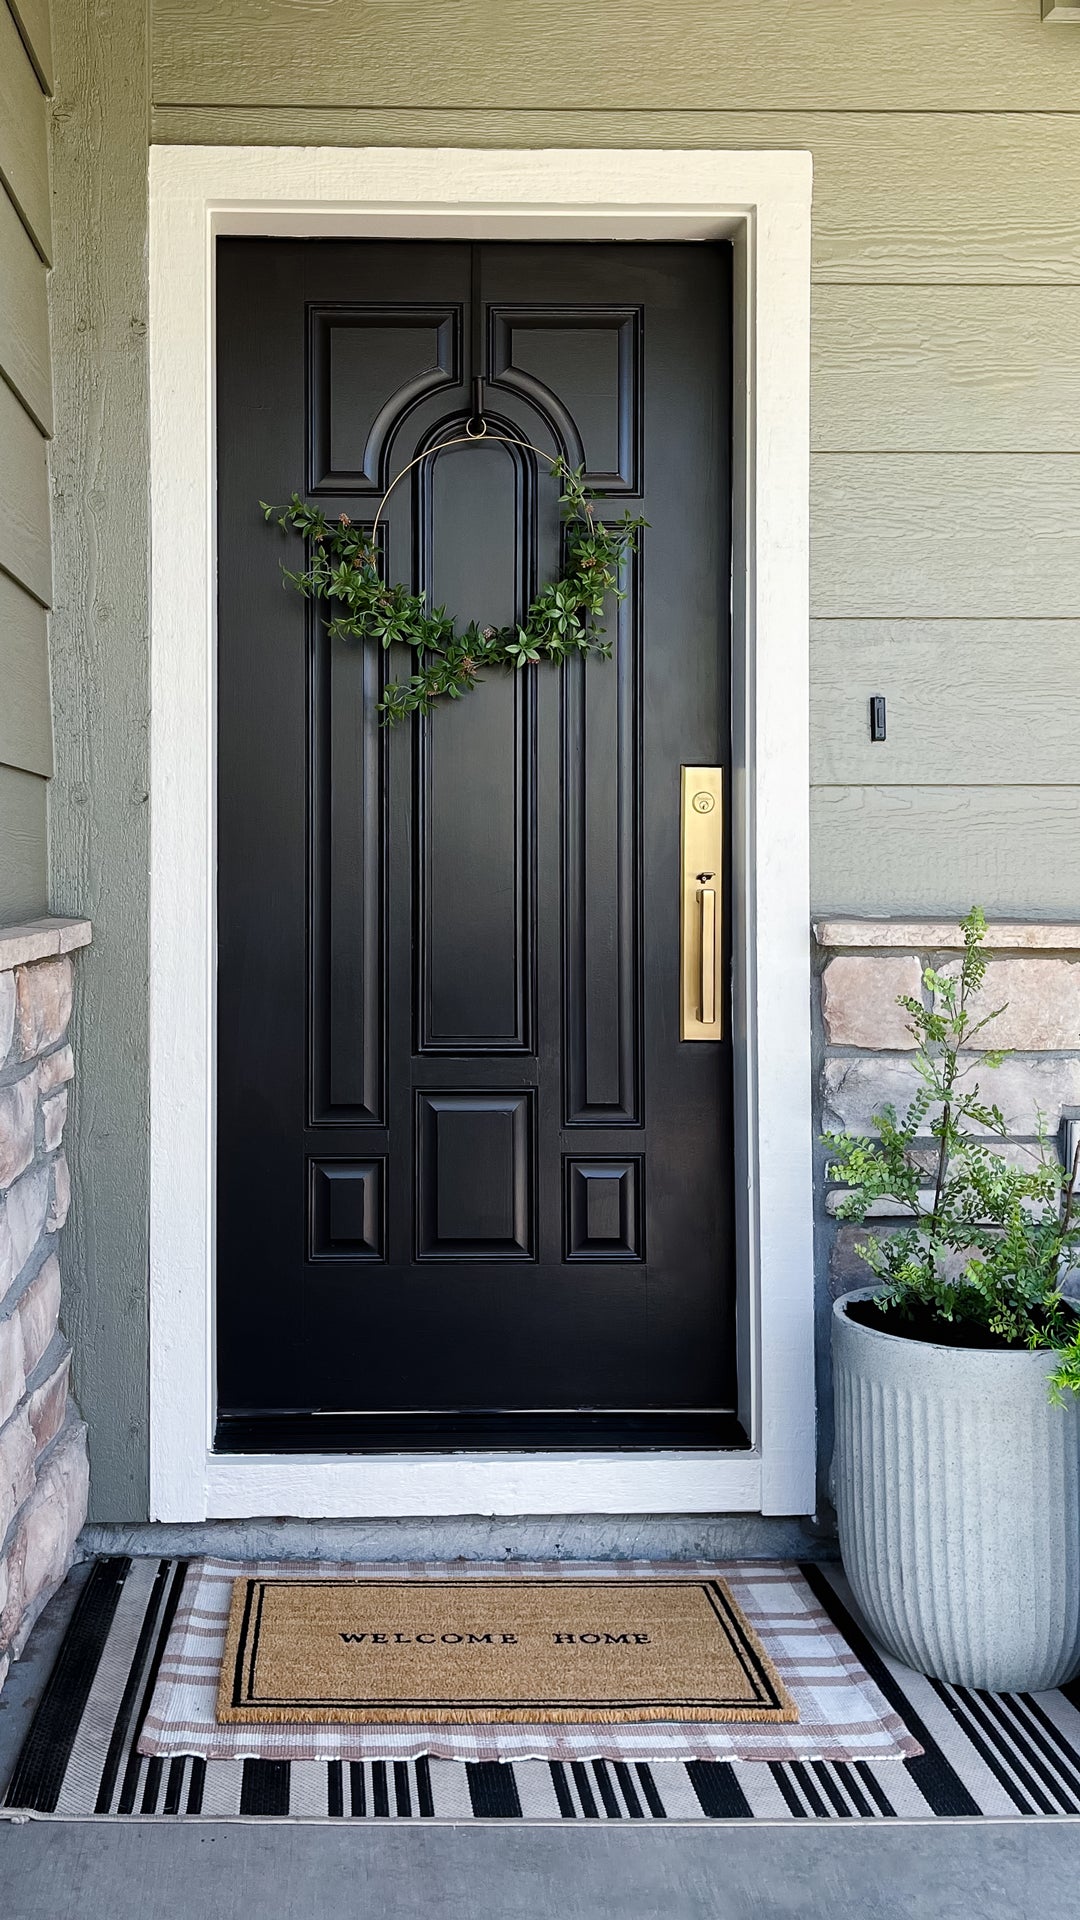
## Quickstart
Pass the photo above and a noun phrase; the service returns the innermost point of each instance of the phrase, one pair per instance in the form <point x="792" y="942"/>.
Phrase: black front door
<point x="473" y="1188"/>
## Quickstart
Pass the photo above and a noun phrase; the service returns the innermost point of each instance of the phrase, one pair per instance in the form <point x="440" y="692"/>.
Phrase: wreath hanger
<point x="470" y="439"/>
<point x="563" y="619"/>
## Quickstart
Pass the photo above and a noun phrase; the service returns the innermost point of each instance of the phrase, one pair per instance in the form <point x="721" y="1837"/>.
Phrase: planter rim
<point x="1039" y="1355"/>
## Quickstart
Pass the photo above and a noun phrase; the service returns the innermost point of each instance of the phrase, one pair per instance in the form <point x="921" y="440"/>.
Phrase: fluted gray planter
<point x="957" y="1489"/>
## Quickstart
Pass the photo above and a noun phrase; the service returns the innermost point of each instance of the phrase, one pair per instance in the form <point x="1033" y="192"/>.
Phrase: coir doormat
<point x="383" y="1652"/>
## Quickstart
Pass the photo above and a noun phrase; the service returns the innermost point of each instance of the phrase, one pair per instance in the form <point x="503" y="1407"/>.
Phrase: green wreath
<point x="563" y="619"/>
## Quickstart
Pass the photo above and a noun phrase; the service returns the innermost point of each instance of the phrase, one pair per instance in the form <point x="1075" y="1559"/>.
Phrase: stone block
<point x="53" y="1119"/>
<point x="7" y="1253"/>
<point x="18" y="1108"/>
<point x="7" y="1014"/>
<point x="847" y="1269"/>
<point x="61" y="1194"/>
<point x="11" y="1611"/>
<point x="855" y="1087"/>
<point x="55" y="1069"/>
<point x="38" y="1311"/>
<point x="26" y="1205"/>
<point x="49" y="1527"/>
<point x="47" y="1404"/>
<point x="17" y="1454"/>
<point x="38" y="939"/>
<point x="43" y="1004"/>
<point x="1041" y="1001"/>
<point x="13" y="1368"/>
<point x="858" y="999"/>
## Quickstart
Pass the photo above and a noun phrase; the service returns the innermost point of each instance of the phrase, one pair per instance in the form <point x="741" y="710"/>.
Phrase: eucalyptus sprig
<point x="345" y="571"/>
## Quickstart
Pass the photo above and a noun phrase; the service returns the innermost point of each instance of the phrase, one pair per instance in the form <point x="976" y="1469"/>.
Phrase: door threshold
<point x="256" y="1430"/>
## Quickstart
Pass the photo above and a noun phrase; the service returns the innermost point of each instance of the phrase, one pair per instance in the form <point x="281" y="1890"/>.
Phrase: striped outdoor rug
<point x="983" y="1755"/>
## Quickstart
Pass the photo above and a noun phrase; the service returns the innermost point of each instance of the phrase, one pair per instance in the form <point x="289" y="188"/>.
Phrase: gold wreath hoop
<point x="467" y="439"/>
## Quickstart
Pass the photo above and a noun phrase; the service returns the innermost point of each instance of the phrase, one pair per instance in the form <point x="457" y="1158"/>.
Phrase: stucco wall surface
<point x="946" y="468"/>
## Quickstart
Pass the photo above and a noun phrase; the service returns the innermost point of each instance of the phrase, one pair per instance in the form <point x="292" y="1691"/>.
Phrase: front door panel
<point x="472" y="1185"/>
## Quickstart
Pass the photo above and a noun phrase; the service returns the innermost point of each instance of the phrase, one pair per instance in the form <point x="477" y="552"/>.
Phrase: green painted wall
<point x="99" y="798"/>
<point x="946" y="484"/>
<point x="25" y="423"/>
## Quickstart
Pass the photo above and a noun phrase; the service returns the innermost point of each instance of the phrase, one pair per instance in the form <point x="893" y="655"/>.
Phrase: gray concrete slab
<point x="101" y="1871"/>
<point x="583" y="1536"/>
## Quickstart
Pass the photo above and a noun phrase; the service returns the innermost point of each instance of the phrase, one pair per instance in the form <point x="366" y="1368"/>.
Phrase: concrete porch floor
<point x="100" y="1870"/>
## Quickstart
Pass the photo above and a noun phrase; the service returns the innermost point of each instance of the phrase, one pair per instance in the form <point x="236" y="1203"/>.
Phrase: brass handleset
<point x="702" y="848"/>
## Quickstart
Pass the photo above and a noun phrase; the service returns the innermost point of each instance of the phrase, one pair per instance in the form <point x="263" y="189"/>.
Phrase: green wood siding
<point x="921" y="535"/>
<point x="905" y="849"/>
<point x="32" y="19"/>
<point x="99" y="813"/>
<point x="23" y="846"/>
<point x="970" y="703"/>
<point x="25" y="718"/>
<point x="935" y="55"/>
<point x="24" y="318"/>
<point x="25" y="420"/>
<point x="947" y="369"/>
<point x="24" y="499"/>
<point x="24" y="160"/>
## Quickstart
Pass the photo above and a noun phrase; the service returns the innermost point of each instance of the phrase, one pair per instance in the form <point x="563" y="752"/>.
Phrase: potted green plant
<point x="957" y="1374"/>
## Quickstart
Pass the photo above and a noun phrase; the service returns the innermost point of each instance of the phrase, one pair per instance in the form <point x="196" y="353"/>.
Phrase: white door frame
<point x="760" y="201"/>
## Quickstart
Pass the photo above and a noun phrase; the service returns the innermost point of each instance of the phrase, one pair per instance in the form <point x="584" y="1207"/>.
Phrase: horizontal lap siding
<point x="32" y="19"/>
<point x="25" y="421"/>
<point x="969" y="703"/>
<point x="898" y="850"/>
<point x="24" y="159"/>
<point x="23" y="846"/>
<point x="25" y="717"/>
<point x="833" y="54"/>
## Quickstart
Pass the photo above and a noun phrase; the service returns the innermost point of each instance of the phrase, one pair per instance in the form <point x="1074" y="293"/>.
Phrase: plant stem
<point x="1070" y="1191"/>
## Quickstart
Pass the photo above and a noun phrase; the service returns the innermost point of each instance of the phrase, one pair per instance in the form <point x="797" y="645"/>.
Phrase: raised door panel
<point x="474" y="1176"/>
<point x="476" y="799"/>
<point x="370" y="365"/>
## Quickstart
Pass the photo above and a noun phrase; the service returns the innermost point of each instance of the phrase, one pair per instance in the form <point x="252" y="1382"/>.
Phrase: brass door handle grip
<point x="701" y="904"/>
<point x="707" y="897"/>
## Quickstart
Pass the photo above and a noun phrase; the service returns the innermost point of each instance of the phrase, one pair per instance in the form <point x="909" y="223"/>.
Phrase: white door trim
<point x="761" y="201"/>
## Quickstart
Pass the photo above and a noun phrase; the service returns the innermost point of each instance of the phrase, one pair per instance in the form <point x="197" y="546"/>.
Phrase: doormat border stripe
<point x="1026" y="1763"/>
<point x="241" y="1699"/>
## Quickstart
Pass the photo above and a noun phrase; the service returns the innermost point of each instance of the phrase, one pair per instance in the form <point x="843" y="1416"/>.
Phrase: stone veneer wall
<point x="866" y="1050"/>
<point x="43" y="1463"/>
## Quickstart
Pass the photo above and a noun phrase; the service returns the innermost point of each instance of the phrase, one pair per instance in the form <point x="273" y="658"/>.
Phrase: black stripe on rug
<point x="720" y="1796"/>
<point x="164" y="1600"/>
<point x="1055" y="1744"/>
<point x="493" y="1790"/>
<point x="935" y="1776"/>
<point x="265" y="1788"/>
<point x="649" y="1789"/>
<point x="39" y="1771"/>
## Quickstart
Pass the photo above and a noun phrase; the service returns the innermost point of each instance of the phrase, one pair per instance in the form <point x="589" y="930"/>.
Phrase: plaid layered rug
<point x="122" y="1684"/>
<point x="842" y="1714"/>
